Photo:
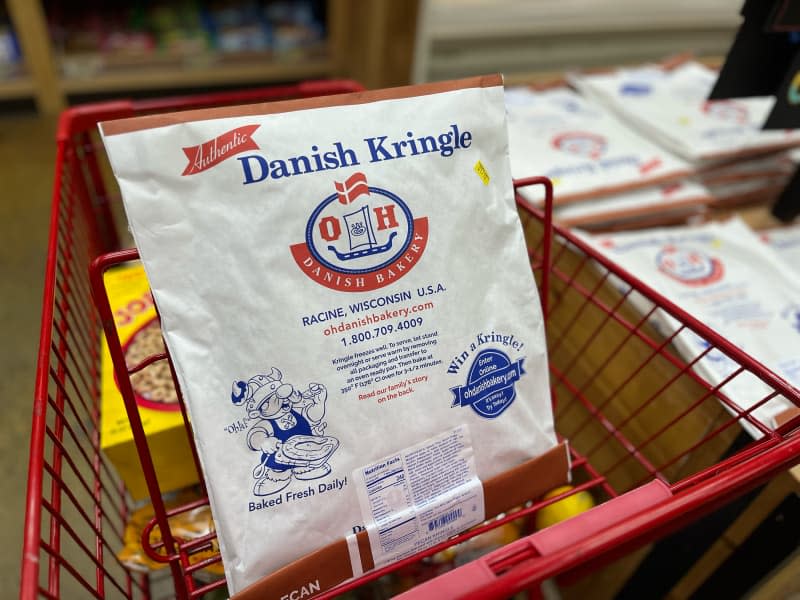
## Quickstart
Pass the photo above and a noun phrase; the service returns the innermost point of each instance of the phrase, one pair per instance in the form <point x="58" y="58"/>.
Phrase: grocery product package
<point x="139" y="332"/>
<point x="785" y="241"/>
<point x="185" y="525"/>
<point x="729" y="184"/>
<point x="661" y="203"/>
<point x="346" y="295"/>
<point x="584" y="149"/>
<point x="776" y="165"/>
<point x="669" y="105"/>
<point x="723" y="275"/>
<point x="759" y="179"/>
<point x="762" y="191"/>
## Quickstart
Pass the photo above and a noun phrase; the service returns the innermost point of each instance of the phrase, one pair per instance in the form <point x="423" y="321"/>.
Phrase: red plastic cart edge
<point x="734" y="461"/>
<point x="639" y="285"/>
<point x="614" y="540"/>
<point x="74" y="120"/>
<point x="732" y="477"/>
<point x="30" y="549"/>
<point x="547" y="239"/>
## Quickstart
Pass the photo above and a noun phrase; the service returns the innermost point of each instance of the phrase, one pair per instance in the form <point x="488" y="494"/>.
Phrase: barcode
<point x="453" y="515"/>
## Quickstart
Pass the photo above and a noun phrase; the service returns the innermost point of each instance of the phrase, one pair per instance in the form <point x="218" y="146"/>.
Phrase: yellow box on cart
<point x="140" y="335"/>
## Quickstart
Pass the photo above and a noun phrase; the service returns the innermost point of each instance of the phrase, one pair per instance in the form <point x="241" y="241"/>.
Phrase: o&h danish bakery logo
<point x="689" y="266"/>
<point x="360" y="238"/>
<point x="581" y="143"/>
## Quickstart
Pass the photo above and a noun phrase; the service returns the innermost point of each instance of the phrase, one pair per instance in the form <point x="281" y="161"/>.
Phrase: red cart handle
<point x="470" y="580"/>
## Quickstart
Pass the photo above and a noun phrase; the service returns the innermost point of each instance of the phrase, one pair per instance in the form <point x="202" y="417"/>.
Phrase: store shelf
<point x="229" y="72"/>
<point x="371" y="42"/>
<point x="16" y="88"/>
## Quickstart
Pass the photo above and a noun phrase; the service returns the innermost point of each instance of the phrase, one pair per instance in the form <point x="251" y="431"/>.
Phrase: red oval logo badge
<point x="360" y="238"/>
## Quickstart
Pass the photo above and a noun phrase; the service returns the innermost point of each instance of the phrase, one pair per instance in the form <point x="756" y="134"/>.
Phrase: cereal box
<point x="140" y="336"/>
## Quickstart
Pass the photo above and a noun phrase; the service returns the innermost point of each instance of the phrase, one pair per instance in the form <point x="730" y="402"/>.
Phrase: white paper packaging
<point x="723" y="275"/>
<point x="670" y="107"/>
<point x="583" y="148"/>
<point x="685" y="198"/>
<point x="336" y="284"/>
<point x="785" y="241"/>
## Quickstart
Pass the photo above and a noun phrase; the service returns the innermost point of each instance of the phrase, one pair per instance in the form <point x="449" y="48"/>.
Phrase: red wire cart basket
<point x="649" y="435"/>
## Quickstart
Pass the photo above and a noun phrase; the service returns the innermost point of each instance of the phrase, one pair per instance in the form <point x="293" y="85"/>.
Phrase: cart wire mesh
<point x="649" y="434"/>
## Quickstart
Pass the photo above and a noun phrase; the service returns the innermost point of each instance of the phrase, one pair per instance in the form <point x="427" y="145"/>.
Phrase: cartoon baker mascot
<point x="287" y="431"/>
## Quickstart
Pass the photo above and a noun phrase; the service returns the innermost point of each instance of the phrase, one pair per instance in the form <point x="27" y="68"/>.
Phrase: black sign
<point x="786" y="112"/>
<point x="758" y="60"/>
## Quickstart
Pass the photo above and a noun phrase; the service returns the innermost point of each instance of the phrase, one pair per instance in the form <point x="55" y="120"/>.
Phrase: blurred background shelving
<point x="457" y="38"/>
<point x="52" y="51"/>
<point x="15" y="82"/>
<point x="57" y="51"/>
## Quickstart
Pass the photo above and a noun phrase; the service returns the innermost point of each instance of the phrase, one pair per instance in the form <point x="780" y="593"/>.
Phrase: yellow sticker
<point x="716" y="243"/>
<point x="684" y="120"/>
<point x="482" y="173"/>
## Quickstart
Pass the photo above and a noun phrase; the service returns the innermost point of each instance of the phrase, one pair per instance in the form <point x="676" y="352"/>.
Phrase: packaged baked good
<point x="785" y="241"/>
<point x="659" y="204"/>
<point x="585" y="150"/>
<point x="345" y="292"/>
<point x="724" y="276"/>
<point x="669" y="105"/>
<point x="185" y="525"/>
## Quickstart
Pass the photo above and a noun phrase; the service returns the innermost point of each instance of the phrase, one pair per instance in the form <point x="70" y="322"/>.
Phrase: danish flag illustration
<point x="353" y="187"/>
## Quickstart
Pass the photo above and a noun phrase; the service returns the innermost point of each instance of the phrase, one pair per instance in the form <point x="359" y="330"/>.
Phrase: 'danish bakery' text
<point x="257" y="167"/>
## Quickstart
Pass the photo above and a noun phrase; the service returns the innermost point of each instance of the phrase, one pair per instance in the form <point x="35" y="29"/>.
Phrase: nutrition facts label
<point x="420" y="496"/>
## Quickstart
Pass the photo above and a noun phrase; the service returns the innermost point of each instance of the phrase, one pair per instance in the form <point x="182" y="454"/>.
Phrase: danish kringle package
<point x="677" y="200"/>
<point x="345" y="291"/>
<point x="584" y="149"/>
<point x="723" y="275"/>
<point x="785" y="241"/>
<point x="669" y="106"/>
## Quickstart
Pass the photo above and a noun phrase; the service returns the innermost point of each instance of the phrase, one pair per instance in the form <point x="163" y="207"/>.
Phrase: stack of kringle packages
<point x="639" y="147"/>
<point x="742" y="285"/>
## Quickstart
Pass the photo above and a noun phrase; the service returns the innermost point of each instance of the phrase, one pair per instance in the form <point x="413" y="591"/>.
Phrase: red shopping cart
<point x="648" y="433"/>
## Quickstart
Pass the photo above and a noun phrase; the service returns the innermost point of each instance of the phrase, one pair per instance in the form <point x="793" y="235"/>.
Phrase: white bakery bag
<point x="339" y="279"/>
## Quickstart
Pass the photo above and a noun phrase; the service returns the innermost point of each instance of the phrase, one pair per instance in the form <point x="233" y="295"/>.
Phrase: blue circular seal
<point x="490" y="384"/>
